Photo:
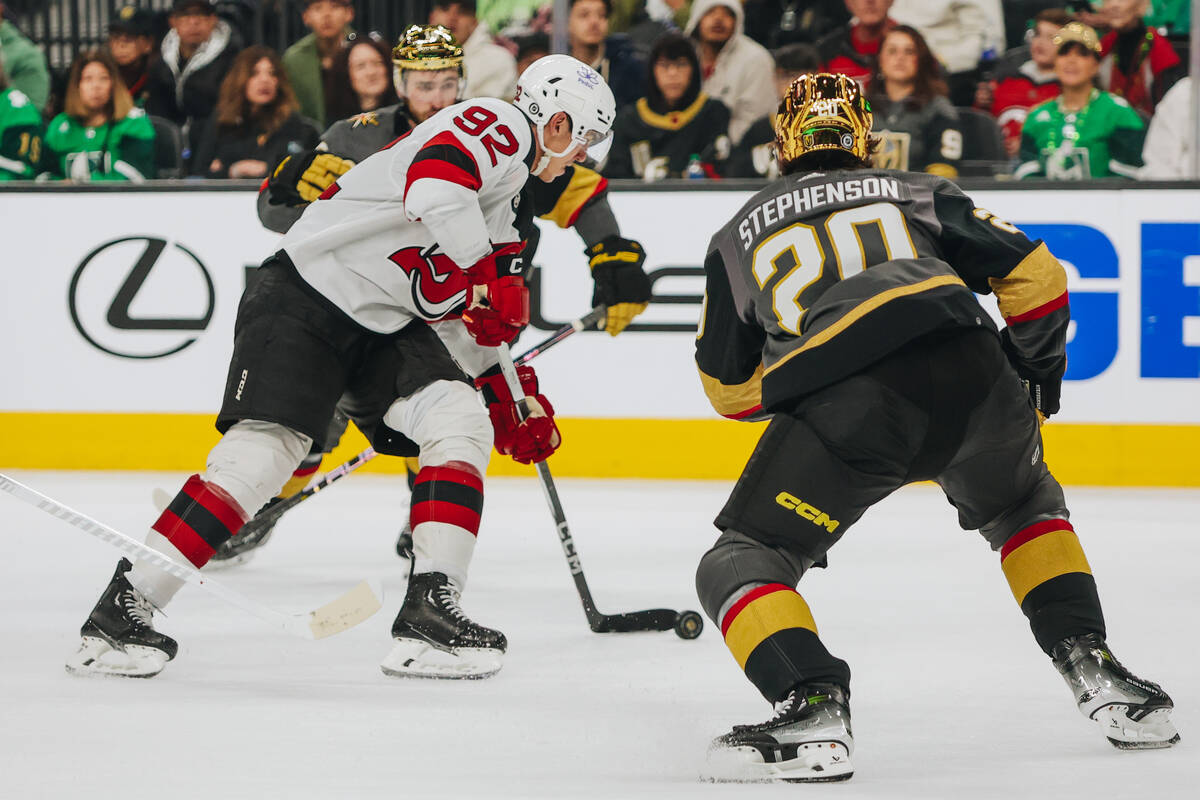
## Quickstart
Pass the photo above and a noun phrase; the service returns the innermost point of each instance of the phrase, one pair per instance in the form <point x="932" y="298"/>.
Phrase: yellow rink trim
<point x="1038" y="560"/>
<point x="763" y="616"/>
<point x="1098" y="455"/>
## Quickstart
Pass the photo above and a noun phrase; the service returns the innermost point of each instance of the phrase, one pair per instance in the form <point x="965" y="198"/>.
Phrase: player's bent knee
<point x="447" y="422"/>
<point x="254" y="459"/>
<point x="737" y="560"/>
<point x="1045" y="502"/>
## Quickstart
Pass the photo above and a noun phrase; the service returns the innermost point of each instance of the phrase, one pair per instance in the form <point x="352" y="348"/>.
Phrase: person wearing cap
<point x="131" y="44"/>
<point x="24" y="63"/>
<point x="1085" y="132"/>
<point x="309" y="61"/>
<point x="196" y="55"/>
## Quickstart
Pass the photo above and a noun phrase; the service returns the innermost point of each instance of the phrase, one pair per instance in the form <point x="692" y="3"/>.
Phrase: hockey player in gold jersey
<point x="839" y="304"/>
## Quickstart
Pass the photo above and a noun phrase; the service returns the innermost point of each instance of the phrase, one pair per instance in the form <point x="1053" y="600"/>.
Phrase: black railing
<point x="64" y="27"/>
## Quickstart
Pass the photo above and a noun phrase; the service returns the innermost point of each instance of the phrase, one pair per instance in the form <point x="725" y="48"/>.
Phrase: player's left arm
<point x="992" y="255"/>
<point x="728" y="349"/>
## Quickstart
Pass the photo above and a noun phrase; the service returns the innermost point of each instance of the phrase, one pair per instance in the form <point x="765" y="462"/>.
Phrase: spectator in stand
<point x="1012" y="93"/>
<point x="755" y="155"/>
<point x="611" y="56"/>
<point x="515" y="14"/>
<point x="102" y="135"/>
<point x="1170" y="148"/>
<point x="918" y="128"/>
<point x="734" y="68"/>
<point x="131" y="45"/>
<point x="530" y="48"/>
<point x="960" y="33"/>
<point x="309" y="61"/>
<point x="675" y="124"/>
<point x="20" y="133"/>
<point x="1084" y="132"/>
<point x="195" y="55"/>
<point x="853" y="49"/>
<point x="491" y="71"/>
<point x="361" y="77"/>
<point x="774" y="23"/>
<point x="1137" y="62"/>
<point x="257" y="122"/>
<point x="24" y="63"/>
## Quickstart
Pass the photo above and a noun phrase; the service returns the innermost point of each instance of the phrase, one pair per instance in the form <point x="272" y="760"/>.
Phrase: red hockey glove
<point x="500" y="315"/>
<point x="528" y="441"/>
<point x="504" y="261"/>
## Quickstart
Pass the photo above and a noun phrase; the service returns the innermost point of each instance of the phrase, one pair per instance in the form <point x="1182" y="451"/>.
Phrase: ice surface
<point x="951" y="697"/>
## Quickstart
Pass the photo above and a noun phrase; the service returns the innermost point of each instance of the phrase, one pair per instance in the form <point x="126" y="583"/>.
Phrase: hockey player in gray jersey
<point x="429" y="77"/>
<point x="421" y="233"/>
<point x="839" y="304"/>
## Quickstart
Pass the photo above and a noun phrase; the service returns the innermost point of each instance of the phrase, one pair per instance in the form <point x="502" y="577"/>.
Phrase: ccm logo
<point x="806" y="510"/>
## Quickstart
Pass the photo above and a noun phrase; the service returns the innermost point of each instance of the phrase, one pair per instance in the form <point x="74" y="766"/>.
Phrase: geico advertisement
<point x="129" y="305"/>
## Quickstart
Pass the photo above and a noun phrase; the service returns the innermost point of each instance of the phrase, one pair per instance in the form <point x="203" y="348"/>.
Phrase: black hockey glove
<point x="621" y="284"/>
<point x="1044" y="391"/>
<point x="299" y="179"/>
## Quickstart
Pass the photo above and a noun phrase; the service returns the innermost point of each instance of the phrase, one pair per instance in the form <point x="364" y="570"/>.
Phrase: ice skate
<point x="1134" y="714"/>
<point x="240" y="549"/>
<point x="119" y="637"/>
<point x="808" y="740"/>
<point x="434" y="639"/>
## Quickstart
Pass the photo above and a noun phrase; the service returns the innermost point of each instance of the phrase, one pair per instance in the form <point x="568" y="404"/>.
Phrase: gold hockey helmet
<point x="822" y="111"/>
<point x="427" y="48"/>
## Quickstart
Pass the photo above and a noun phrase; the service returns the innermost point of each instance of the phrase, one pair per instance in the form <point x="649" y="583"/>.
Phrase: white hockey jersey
<point x="387" y="241"/>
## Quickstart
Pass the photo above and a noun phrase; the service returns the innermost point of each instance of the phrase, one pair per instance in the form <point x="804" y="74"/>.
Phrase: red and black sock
<point x="200" y="518"/>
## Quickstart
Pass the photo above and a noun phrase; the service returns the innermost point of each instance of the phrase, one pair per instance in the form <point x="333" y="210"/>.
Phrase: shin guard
<point x="1052" y="582"/>
<point x="771" y="633"/>
<point x="447" y="501"/>
<point x="200" y="518"/>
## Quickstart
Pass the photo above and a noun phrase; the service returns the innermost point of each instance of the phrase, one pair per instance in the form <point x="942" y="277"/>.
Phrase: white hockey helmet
<point x="561" y="83"/>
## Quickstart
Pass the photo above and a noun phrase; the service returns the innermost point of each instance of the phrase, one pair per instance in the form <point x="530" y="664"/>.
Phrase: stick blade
<point x="355" y="606"/>
<point x="654" y="619"/>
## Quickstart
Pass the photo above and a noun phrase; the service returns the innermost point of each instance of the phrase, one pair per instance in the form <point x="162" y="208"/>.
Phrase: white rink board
<point x="1138" y="335"/>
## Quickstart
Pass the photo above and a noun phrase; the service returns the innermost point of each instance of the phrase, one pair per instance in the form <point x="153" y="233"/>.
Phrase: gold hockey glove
<point x="299" y="179"/>
<point x="621" y="284"/>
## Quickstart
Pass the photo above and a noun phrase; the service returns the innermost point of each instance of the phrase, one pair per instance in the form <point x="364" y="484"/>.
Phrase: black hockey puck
<point x="688" y="625"/>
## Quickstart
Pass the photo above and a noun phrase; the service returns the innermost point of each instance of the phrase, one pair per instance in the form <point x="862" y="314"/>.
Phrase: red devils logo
<point x="438" y="285"/>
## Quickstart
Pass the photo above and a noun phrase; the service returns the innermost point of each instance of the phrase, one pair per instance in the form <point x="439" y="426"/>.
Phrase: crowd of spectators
<point x="1089" y="90"/>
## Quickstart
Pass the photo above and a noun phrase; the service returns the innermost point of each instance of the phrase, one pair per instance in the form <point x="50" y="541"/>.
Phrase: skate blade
<point x="96" y="657"/>
<point x="1152" y="732"/>
<point x="411" y="658"/>
<point x="815" y="762"/>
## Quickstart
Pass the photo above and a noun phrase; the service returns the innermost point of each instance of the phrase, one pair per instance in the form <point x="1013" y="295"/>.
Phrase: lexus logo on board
<point x="141" y="297"/>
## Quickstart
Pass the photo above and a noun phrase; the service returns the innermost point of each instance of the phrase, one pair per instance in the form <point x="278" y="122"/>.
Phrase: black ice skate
<point x="119" y="637"/>
<point x="434" y="639"/>
<point x="808" y="740"/>
<point x="239" y="549"/>
<point x="1135" y="714"/>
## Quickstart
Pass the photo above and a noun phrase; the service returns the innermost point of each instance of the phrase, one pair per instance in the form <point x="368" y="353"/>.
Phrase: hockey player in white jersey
<point x="419" y="233"/>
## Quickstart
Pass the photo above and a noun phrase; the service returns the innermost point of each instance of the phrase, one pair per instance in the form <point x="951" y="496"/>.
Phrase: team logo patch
<point x="847" y="140"/>
<point x="588" y="77"/>
<point x="438" y="286"/>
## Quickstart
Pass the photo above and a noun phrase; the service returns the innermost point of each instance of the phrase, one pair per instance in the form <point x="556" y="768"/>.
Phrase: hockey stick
<point x="272" y="514"/>
<point x="339" y="615"/>
<point x="686" y="624"/>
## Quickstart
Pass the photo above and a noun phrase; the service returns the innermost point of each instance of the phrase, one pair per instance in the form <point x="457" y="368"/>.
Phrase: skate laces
<point x="138" y="608"/>
<point x="448" y="597"/>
